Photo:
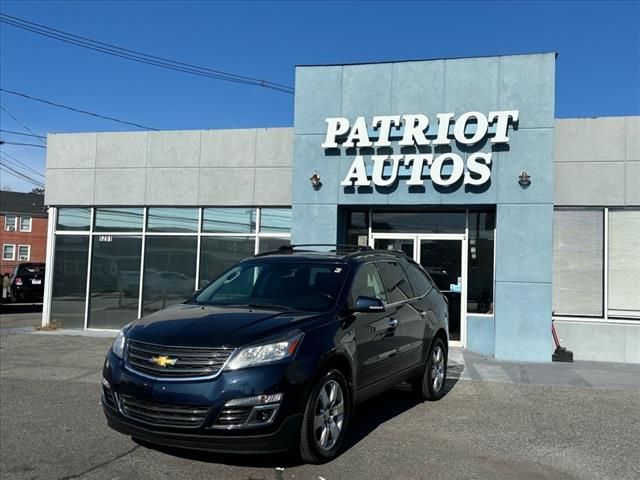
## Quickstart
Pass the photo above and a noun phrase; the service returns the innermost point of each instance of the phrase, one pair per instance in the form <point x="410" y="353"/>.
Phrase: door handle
<point x="393" y="323"/>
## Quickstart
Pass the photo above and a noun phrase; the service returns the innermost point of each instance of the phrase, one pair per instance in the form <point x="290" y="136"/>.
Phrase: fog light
<point x="263" y="415"/>
<point x="257" y="400"/>
<point x="106" y="384"/>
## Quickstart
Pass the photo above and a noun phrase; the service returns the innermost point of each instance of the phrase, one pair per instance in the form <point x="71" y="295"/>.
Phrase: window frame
<point x="13" y="254"/>
<point x="28" y="247"/>
<point x="7" y="225"/>
<point x="30" y="223"/>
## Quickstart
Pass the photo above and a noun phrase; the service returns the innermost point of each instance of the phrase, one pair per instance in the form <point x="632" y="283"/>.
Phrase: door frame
<point x="416" y="238"/>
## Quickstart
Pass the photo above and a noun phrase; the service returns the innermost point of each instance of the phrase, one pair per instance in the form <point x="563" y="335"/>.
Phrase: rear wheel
<point x="430" y="385"/>
<point x="326" y="418"/>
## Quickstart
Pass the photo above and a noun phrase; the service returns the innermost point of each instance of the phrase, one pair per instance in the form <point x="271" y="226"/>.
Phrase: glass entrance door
<point x="442" y="255"/>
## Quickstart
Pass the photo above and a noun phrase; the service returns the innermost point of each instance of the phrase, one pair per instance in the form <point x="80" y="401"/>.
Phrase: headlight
<point x="269" y="352"/>
<point x="118" y="345"/>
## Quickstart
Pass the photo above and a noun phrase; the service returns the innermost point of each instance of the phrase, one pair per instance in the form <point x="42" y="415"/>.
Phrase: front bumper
<point x="282" y="439"/>
<point x="278" y="435"/>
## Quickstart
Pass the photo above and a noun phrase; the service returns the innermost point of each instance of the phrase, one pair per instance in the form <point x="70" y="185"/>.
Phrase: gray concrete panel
<point x="122" y="149"/>
<point x="604" y="342"/>
<point x="471" y="84"/>
<point x="366" y="90"/>
<point x="317" y="97"/>
<point x="174" y="149"/>
<point x="273" y="186"/>
<point x="314" y="223"/>
<point x="120" y="186"/>
<point x="589" y="184"/>
<point x="418" y="87"/>
<point x="70" y="186"/>
<point x="228" y="148"/>
<point x="632" y="174"/>
<point x="527" y="84"/>
<point x="226" y="186"/>
<point x="309" y="158"/>
<point x="74" y="150"/>
<point x="274" y="147"/>
<point x="633" y="138"/>
<point x="590" y="139"/>
<point x="172" y="186"/>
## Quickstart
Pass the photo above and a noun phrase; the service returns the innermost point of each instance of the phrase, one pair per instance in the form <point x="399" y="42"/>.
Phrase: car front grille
<point x="163" y="414"/>
<point x="177" y="362"/>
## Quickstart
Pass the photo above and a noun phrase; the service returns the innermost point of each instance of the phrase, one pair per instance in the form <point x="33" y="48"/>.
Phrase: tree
<point x="38" y="190"/>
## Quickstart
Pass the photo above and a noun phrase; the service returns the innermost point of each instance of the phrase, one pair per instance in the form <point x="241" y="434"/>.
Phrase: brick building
<point x="23" y="229"/>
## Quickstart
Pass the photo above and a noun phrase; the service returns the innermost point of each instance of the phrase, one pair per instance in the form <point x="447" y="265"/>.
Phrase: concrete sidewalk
<point x="466" y="365"/>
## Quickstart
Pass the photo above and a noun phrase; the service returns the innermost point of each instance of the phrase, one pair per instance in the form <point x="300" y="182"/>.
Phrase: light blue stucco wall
<point x="520" y="328"/>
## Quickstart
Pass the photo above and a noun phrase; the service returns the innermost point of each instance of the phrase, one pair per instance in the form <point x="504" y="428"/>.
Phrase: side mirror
<point x="368" y="304"/>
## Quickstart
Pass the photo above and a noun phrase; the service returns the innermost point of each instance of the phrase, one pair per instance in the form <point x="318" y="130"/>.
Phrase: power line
<point x="4" y="142"/>
<point x="11" y="158"/>
<point x="12" y="132"/>
<point x="19" y="122"/>
<point x="20" y="175"/>
<point x="77" y="110"/>
<point x="140" y="57"/>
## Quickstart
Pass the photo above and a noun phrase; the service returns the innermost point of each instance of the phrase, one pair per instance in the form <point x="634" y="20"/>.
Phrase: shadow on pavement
<point x="368" y="416"/>
<point x="9" y="308"/>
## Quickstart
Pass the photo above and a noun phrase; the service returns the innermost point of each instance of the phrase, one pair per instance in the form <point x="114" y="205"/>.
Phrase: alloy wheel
<point x="329" y="415"/>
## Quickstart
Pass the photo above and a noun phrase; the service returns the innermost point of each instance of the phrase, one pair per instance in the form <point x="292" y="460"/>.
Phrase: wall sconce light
<point x="524" y="179"/>
<point x="315" y="181"/>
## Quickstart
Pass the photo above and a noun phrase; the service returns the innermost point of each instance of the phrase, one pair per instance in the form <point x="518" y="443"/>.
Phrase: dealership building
<point x="519" y="217"/>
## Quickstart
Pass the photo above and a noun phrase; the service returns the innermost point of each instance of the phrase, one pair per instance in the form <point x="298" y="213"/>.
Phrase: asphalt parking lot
<point x="494" y="423"/>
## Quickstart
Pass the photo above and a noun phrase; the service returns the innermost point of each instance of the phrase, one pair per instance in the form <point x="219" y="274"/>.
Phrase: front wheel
<point x="325" y="418"/>
<point x="430" y="385"/>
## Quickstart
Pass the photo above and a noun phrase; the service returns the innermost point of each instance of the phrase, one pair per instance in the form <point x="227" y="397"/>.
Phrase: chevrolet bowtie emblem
<point x="163" y="361"/>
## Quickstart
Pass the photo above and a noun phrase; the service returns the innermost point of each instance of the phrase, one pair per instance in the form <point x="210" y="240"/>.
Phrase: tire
<point x="318" y="439"/>
<point x="431" y="385"/>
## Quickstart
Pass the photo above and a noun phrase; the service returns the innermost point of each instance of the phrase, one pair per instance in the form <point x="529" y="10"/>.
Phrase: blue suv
<point x="276" y="353"/>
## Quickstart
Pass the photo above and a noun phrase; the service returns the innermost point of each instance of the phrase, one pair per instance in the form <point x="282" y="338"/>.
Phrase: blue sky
<point x="598" y="68"/>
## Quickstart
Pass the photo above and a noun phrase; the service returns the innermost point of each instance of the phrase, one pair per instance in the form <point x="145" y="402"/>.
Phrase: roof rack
<point x="339" y="248"/>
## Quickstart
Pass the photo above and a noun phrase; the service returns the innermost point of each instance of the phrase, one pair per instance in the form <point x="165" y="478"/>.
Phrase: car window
<point x="395" y="281"/>
<point x="291" y="285"/>
<point x="419" y="281"/>
<point x="367" y="283"/>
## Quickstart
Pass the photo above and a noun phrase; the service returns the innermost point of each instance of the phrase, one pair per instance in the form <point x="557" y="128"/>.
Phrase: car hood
<point x="214" y="326"/>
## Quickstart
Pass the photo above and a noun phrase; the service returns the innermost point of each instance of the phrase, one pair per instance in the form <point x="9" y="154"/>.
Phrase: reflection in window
<point x="419" y="222"/>
<point x="115" y="281"/>
<point x="267" y="244"/>
<point x="220" y="253"/>
<point x="119" y="220"/>
<point x="69" y="281"/>
<point x="357" y="228"/>
<point x="275" y="220"/>
<point x="480" y="271"/>
<point x="229" y="220"/>
<point x="169" y="271"/>
<point x="172" y="220"/>
<point x="74" y="219"/>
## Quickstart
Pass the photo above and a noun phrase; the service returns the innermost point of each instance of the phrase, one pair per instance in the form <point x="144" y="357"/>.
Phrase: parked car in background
<point x="27" y="282"/>
<point x="275" y="353"/>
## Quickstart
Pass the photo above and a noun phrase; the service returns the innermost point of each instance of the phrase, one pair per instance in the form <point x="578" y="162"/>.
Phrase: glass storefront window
<point x="220" y="253"/>
<point x="115" y="281"/>
<point x="578" y="262"/>
<point x="169" y="271"/>
<point x="74" y="219"/>
<point x="357" y="228"/>
<point x="172" y="219"/>
<point x="418" y="222"/>
<point x="69" y="286"/>
<point x="119" y="219"/>
<point x="275" y="220"/>
<point x="624" y="264"/>
<point x="480" y="262"/>
<point x="229" y="220"/>
<point x="267" y="244"/>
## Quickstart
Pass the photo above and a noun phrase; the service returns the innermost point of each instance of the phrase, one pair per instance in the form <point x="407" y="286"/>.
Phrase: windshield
<point x="284" y="285"/>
